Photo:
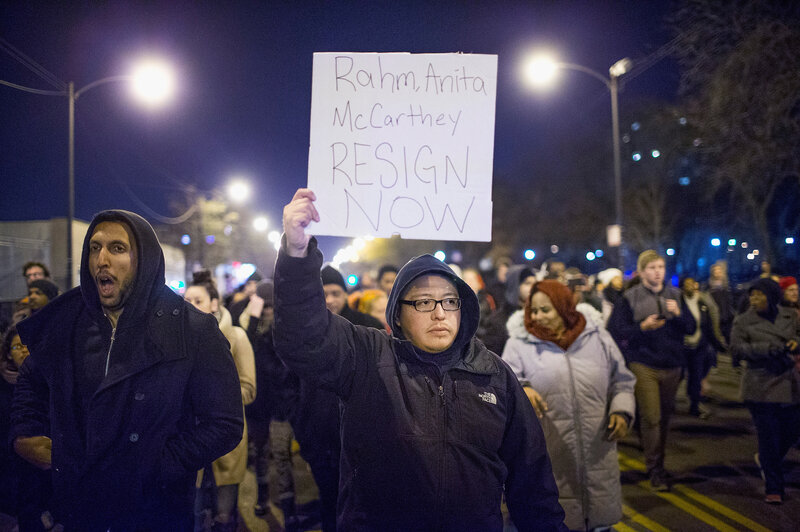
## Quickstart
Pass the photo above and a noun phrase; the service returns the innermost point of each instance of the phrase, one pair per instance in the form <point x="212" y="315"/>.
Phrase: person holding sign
<point x="434" y="427"/>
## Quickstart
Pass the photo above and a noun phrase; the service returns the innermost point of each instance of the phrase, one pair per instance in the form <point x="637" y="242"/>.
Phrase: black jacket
<point x="495" y="333"/>
<point x="420" y="451"/>
<point x="314" y="413"/>
<point x="126" y="456"/>
<point x="660" y="348"/>
<point x="277" y="385"/>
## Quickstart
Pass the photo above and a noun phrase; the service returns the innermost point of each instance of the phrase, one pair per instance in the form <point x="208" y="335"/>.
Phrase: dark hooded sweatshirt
<point x="496" y="333"/>
<point x="127" y="443"/>
<point x="423" y="447"/>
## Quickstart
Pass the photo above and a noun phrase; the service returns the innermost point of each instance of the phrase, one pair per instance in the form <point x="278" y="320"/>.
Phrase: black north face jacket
<point x="420" y="451"/>
<point x="127" y="444"/>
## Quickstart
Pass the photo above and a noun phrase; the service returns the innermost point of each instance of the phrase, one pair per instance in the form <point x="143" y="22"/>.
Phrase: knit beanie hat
<point x="786" y="282"/>
<point x="772" y="290"/>
<point x="331" y="275"/>
<point x="48" y="288"/>
<point x="606" y="275"/>
<point x="646" y="257"/>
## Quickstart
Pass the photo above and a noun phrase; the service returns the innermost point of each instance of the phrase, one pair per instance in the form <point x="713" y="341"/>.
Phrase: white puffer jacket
<point x="581" y="386"/>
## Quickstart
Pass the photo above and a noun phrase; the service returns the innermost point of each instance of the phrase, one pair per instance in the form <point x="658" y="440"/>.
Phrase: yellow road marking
<point x="646" y="522"/>
<point x="622" y="527"/>
<point x="691" y="509"/>
<point x="628" y="463"/>
<point x="624" y="467"/>
<point x="721" y="509"/>
<point x="631" y="462"/>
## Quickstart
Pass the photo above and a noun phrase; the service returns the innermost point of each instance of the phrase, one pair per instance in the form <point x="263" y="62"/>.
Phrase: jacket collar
<point x="477" y="359"/>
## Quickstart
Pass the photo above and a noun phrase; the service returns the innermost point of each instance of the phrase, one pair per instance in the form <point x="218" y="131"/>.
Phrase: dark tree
<point x="741" y="76"/>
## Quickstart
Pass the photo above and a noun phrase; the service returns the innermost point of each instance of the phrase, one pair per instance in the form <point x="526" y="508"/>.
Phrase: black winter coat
<point x="126" y="456"/>
<point x="420" y="451"/>
<point x="660" y="348"/>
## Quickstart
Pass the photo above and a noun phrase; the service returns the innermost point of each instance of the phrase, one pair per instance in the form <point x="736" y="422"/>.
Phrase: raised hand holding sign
<point x="297" y="215"/>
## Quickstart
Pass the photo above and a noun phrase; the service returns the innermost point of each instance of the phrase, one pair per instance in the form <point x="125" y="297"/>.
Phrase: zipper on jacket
<point x="579" y="439"/>
<point x="108" y="355"/>
<point x="440" y="491"/>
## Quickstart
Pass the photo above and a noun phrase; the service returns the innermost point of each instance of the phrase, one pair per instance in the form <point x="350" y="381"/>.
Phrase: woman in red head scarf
<point x="576" y="379"/>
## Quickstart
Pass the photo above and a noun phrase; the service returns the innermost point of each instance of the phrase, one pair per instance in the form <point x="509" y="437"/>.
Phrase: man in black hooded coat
<point x="434" y="427"/>
<point x="134" y="389"/>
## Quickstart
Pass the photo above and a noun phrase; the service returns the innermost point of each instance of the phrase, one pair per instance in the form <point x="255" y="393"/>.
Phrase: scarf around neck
<point x="561" y="297"/>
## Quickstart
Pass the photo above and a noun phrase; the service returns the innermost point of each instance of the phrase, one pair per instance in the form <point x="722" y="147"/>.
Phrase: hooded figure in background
<point x="128" y="389"/>
<point x="434" y="427"/>
<point x="519" y="280"/>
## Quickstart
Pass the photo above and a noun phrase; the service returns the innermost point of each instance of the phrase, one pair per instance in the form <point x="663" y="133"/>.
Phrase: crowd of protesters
<point x="418" y="400"/>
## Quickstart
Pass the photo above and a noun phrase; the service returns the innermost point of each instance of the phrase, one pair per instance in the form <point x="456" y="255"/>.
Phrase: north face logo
<point x="489" y="397"/>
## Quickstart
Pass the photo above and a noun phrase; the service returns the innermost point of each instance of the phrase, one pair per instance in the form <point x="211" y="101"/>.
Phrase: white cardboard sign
<point x="403" y="144"/>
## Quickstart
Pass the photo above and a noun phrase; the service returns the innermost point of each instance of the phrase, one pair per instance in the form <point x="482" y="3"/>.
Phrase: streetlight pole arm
<point x="110" y="79"/>
<point x="586" y="70"/>
<point x="612" y="84"/>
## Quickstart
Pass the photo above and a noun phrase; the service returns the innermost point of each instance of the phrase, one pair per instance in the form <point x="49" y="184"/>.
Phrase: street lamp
<point x="260" y="224"/>
<point x="152" y="82"/>
<point x="542" y="70"/>
<point x="238" y="191"/>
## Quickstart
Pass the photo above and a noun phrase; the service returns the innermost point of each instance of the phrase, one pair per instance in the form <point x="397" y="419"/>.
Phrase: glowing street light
<point x="541" y="71"/>
<point x="260" y="224"/>
<point x="238" y="191"/>
<point x="152" y="82"/>
<point x="275" y="238"/>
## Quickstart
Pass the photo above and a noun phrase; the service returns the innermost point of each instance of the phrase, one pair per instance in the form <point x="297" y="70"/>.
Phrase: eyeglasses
<point x="429" y="305"/>
<point x="18" y="347"/>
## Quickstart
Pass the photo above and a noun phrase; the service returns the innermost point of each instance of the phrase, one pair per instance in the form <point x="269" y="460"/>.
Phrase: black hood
<point x="150" y="277"/>
<point x="514" y="277"/>
<point x="426" y="265"/>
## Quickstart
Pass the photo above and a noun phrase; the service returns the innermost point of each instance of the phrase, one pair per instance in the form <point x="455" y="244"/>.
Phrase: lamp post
<point x="541" y="70"/>
<point x="151" y="82"/>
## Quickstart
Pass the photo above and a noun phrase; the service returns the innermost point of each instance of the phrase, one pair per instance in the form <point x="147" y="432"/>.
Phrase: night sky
<point x="244" y="71"/>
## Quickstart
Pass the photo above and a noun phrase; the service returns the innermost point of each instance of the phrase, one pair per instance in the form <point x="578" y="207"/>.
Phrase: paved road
<point x="717" y="484"/>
